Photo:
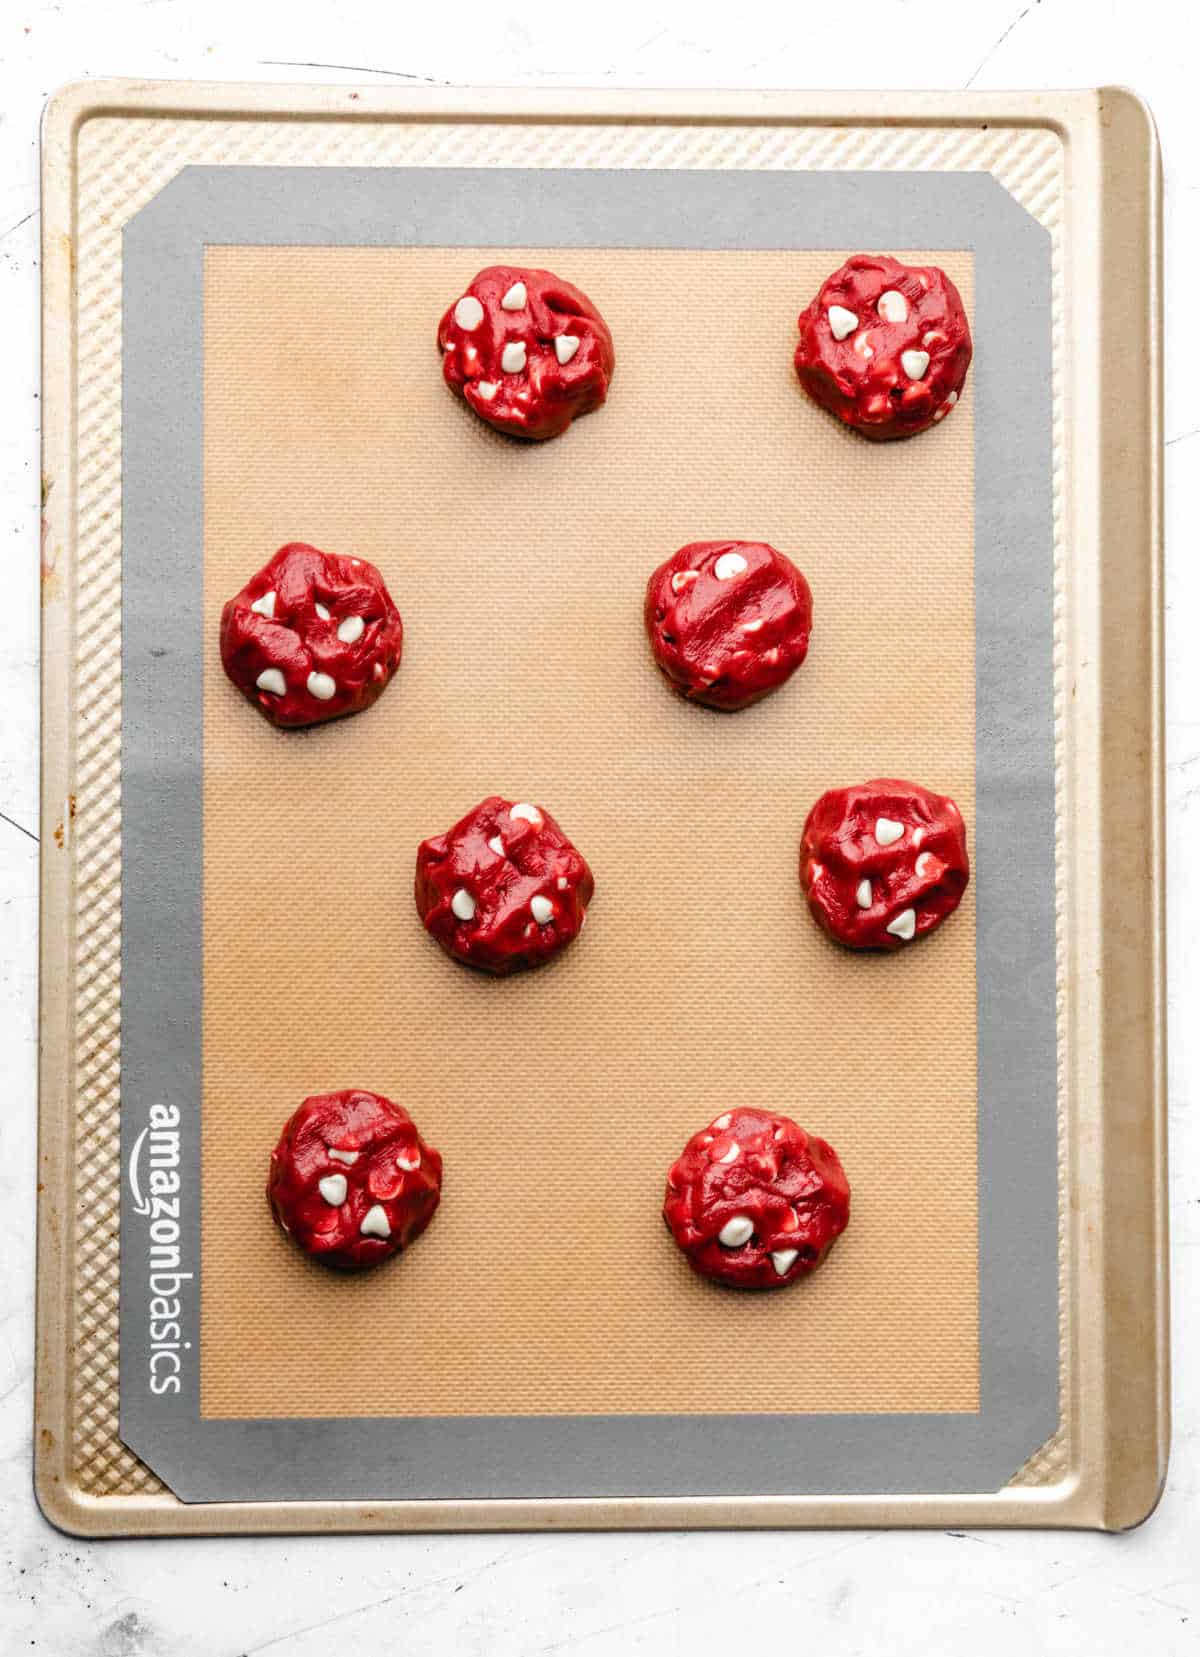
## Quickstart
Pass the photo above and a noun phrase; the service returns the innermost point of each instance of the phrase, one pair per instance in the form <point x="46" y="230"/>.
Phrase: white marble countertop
<point x="864" y="1593"/>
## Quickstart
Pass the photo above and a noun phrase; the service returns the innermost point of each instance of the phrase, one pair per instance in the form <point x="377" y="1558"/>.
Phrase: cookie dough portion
<point x="504" y="888"/>
<point x="885" y="346"/>
<point x="352" y="1182"/>
<point x="883" y="863"/>
<point x="728" y="621"/>
<point x="312" y="636"/>
<point x="526" y="350"/>
<point x="754" y="1201"/>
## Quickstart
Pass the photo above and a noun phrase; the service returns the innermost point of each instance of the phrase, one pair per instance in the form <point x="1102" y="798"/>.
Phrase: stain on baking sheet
<point x="548" y="1284"/>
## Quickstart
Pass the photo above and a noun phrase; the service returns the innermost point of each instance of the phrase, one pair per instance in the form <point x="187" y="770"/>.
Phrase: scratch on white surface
<point x="20" y="827"/>
<point x="351" y="69"/>
<point x="988" y="56"/>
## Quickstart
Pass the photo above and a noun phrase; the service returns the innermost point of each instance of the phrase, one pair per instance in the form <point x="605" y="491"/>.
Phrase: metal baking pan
<point x="166" y="210"/>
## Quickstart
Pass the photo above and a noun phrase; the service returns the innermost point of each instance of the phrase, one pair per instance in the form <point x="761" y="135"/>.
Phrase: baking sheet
<point x="1048" y="1467"/>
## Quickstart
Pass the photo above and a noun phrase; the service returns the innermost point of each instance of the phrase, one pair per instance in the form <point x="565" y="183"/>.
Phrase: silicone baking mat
<point x="280" y="868"/>
<point x="239" y="316"/>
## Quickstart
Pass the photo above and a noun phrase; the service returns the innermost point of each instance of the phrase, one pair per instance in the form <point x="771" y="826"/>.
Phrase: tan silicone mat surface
<point x="559" y="1098"/>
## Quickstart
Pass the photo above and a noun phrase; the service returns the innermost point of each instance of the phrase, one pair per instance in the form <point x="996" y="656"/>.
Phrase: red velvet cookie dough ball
<point x="312" y="636"/>
<point x="885" y="346"/>
<point x="756" y="1202"/>
<point x="351" y="1180"/>
<point x="728" y="621"/>
<point x="883" y="863"/>
<point x="526" y="350"/>
<point x="504" y="888"/>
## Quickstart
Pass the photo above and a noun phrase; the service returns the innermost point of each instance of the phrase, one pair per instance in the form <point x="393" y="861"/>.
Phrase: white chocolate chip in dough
<point x="904" y="926"/>
<point x="333" y="1189"/>
<point x="918" y="834"/>
<point x="562" y="883"/>
<point x="512" y="358"/>
<point x="542" y="910"/>
<point x="862" y="345"/>
<point x="565" y="347"/>
<point x="752" y="626"/>
<point x="735" y="1232"/>
<point x="841" y="321"/>
<point x="321" y="611"/>
<point x="732" y="1154"/>
<point x="923" y="862"/>
<point x="463" y="904"/>
<point x="378" y="670"/>
<point x="892" y="306"/>
<point x="271" y="679"/>
<point x="723" y="1121"/>
<point x="523" y="812"/>
<point x="351" y="630"/>
<point x="515" y="299"/>
<point x="682" y="579"/>
<point x="468" y="313"/>
<point x="863" y="895"/>
<point x="914" y="363"/>
<point x="322" y="687"/>
<point x="783" y="1260"/>
<point x="486" y="389"/>
<point x="496" y="845"/>
<point x="375" y="1223"/>
<point x="728" y="565"/>
<point x="348" y="1157"/>
<point x="265" y="606"/>
<point x="403" y="1161"/>
<point x="931" y="338"/>
<point x="888" y="831"/>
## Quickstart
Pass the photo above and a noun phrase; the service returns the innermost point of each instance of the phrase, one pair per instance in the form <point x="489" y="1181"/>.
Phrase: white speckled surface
<point x="517" y="1596"/>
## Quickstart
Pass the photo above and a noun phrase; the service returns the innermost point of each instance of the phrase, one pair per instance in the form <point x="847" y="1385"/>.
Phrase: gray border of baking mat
<point x="162" y="648"/>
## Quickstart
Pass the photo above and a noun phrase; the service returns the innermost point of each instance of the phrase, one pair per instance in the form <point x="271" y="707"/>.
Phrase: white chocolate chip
<point x="321" y="686"/>
<point x="914" y="363"/>
<point x="887" y="831"/>
<point x="728" y="565"/>
<point x="841" y="321"/>
<point x="904" y="926"/>
<point x="863" y="347"/>
<point x="565" y="347"/>
<point x="321" y="611"/>
<point x="918" y="835"/>
<point x="923" y="862"/>
<point x="682" y="579"/>
<point x="523" y="812"/>
<point x="496" y="845"/>
<point x="732" y="1154"/>
<point x="265" y="606"/>
<point x="542" y="910"/>
<point x="735" y="1232"/>
<point x="271" y="679"/>
<point x="951" y="398"/>
<point x="562" y="883"/>
<point x="377" y="670"/>
<point x="863" y="895"/>
<point x="723" y="1121"/>
<point x="892" y="306"/>
<point x="463" y="904"/>
<point x="402" y="1161"/>
<point x="515" y="298"/>
<point x="351" y="630"/>
<point x="932" y="337"/>
<point x="783" y="1260"/>
<point x="817" y="872"/>
<point x="468" y="313"/>
<point x="486" y="390"/>
<point x="752" y="626"/>
<point x="512" y="358"/>
<point x="375" y="1223"/>
<point x="348" y="1157"/>
<point x="333" y="1189"/>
